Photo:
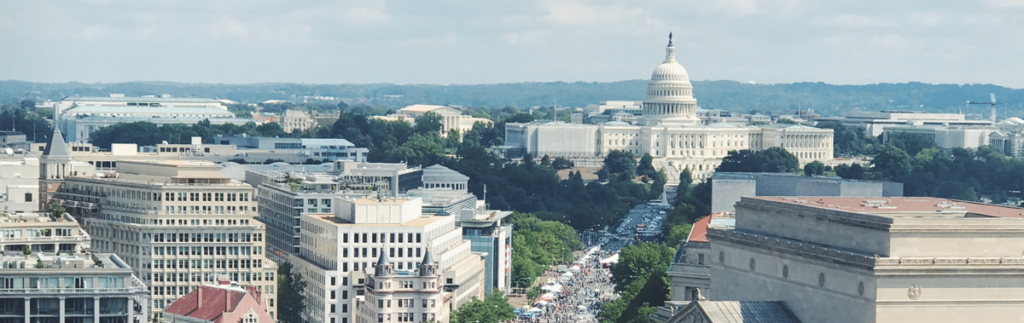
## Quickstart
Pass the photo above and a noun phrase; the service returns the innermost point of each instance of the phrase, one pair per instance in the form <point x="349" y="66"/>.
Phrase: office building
<point x="81" y="116"/>
<point x="316" y="148"/>
<point x="178" y="223"/>
<point x="875" y="122"/>
<point x="293" y="120"/>
<point x="49" y="274"/>
<point x="729" y="188"/>
<point x="412" y="295"/>
<point x="338" y="253"/>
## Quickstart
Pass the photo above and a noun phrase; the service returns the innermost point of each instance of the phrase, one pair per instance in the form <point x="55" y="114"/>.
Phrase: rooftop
<point x="208" y="303"/>
<point x="422" y="221"/>
<point x="902" y="207"/>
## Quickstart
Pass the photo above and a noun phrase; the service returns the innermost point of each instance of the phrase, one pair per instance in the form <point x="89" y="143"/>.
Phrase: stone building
<point x="225" y="302"/>
<point x="296" y="120"/>
<point x="451" y="118"/>
<point x="670" y="130"/>
<point x="179" y="224"/>
<point x="856" y="259"/>
<point x="337" y="253"/>
<point x="392" y="295"/>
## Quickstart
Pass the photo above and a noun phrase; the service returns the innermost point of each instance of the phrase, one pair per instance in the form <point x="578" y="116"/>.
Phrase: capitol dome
<point x="669" y="93"/>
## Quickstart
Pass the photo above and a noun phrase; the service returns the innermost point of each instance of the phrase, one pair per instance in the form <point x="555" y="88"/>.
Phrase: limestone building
<point x="670" y="130"/>
<point x="179" y="224"/>
<point x="81" y="116"/>
<point x="875" y="122"/>
<point x="729" y="188"/>
<point x="62" y="280"/>
<point x="855" y="259"/>
<point x="296" y="120"/>
<point x="451" y="118"/>
<point x="392" y="295"/>
<point x="338" y="252"/>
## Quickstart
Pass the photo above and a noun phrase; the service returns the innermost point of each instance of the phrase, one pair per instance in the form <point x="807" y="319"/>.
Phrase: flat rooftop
<point x="417" y="222"/>
<point x="902" y="207"/>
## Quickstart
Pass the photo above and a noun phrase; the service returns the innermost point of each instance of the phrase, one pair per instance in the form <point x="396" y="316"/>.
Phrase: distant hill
<point x="825" y="99"/>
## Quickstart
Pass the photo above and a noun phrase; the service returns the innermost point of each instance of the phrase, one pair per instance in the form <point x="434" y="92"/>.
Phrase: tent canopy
<point x="614" y="259"/>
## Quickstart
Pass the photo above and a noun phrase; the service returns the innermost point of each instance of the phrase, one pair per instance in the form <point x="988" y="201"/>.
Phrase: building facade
<point x="855" y="259"/>
<point x="451" y="118"/>
<point x="670" y="130"/>
<point x="81" y="116"/>
<point x="412" y="295"/>
<point x="49" y="274"/>
<point x="338" y="251"/>
<point x="179" y="224"/>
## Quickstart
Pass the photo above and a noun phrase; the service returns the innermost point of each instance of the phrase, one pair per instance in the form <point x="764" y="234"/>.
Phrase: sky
<point x="473" y="41"/>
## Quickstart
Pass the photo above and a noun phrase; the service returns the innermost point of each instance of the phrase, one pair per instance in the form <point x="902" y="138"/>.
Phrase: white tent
<point x="552" y="287"/>
<point x="614" y="259"/>
<point x="534" y="309"/>
<point x="593" y="250"/>
<point x="547" y="297"/>
<point x="574" y="268"/>
<point x="567" y="274"/>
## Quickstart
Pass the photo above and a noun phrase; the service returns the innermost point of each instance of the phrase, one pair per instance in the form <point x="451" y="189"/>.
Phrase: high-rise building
<point x="179" y="224"/>
<point x="49" y="274"/>
<point x="338" y="252"/>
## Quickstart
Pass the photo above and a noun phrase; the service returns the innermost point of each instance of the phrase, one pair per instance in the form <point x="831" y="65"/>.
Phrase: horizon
<point x="772" y="42"/>
<point x="505" y="83"/>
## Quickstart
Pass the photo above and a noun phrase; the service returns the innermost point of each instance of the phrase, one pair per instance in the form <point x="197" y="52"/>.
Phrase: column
<point x="96" y="310"/>
<point x="61" y="309"/>
<point x="28" y="310"/>
<point x="131" y="311"/>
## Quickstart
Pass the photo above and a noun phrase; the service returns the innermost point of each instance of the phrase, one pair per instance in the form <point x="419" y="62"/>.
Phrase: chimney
<point x="227" y="300"/>
<point x="200" y="303"/>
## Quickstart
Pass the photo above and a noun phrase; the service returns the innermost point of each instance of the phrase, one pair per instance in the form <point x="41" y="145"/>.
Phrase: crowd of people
<point x="575" y="295"/>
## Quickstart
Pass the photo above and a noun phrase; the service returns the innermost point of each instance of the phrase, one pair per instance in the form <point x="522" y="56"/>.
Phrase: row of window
<point x="373" y="238"/>
<point x="208" y="251"/>
<point x="203" y="237"/>
<point x="205" y="263"/>
<point x="204" y="197"/>
<point x="206" y="277"/>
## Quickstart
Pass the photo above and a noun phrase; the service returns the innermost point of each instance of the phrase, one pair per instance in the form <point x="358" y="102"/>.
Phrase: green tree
<point x="562" y="163"/>
<point x="493" y="309"/>
<point x="57" y="209"/>
<point x="428" y="123"/>
<point x="646" y="168"/>
<point x="814" y="168"/>
<point x="638" y="261"/>
<point x="771" y="160"/>
<point x="291" y="295"/>
<point x="677" y="234"/>
<point x="891" y="163"/>
<point x="620" y="163"/>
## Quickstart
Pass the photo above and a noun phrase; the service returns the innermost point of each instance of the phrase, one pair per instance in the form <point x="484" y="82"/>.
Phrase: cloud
<point x="528" y="38"/>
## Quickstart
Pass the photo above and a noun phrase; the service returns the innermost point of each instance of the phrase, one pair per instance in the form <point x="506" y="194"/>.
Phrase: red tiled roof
<point x="699" y="231"/>
<point x="215" y="302"/>
<point x="895" y="206"/>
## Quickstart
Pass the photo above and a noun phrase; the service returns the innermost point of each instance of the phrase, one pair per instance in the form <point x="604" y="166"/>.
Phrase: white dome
<point x="670" y="71"/>
<point x="669" y="93"/>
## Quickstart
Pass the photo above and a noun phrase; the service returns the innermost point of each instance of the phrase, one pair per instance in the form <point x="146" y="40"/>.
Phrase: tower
<point x="54" y="165"/>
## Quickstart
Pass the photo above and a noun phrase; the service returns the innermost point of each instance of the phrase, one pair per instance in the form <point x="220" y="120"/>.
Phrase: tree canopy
<point x="771" y="160"/>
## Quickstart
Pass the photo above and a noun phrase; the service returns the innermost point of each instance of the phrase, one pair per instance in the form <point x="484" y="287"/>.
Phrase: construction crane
<point x="992" y="102"/>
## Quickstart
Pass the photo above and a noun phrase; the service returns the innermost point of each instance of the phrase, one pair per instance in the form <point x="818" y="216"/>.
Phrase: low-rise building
<point x="296" y="120"/>
<point x="729" y="188"/>
<point x="451" y="118"/>
<point x="226" y="302"/>
<point x="316" y="148"/>
<point x="49" y="274"/>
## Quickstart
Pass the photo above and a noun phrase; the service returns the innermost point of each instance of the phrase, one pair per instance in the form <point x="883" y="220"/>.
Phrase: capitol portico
<point x="670" y="131"/>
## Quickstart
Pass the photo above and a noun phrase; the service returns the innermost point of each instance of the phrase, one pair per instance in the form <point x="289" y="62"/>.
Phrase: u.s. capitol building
<point x="669" y="130"/>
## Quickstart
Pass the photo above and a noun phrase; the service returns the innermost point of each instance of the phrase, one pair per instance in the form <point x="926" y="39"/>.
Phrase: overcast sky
<point x="473" y="41"/>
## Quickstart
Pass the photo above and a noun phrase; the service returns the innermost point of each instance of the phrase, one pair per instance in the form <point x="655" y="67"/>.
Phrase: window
<point x="28" y="197"/>
<point x="700" y="259"/>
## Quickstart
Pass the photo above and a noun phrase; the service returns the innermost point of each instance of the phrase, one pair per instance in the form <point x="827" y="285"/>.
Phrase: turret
<point x="427" y="266"/>
<point x="383" y="267"/>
